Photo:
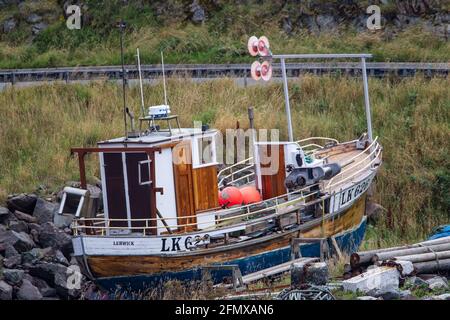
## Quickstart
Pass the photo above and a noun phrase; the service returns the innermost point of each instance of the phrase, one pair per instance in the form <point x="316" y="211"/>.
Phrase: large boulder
<point x="19" y="240"/>
<point x="57" y="276"/>
<point x="5" y="291"/>
<point x="28" y="291"/>
<point x="22" y="202"/>
<point x="50" y="236"/>
<point x="44" y="211"/>
<point x="13" y="276"/>
<point x="44" y="288"/>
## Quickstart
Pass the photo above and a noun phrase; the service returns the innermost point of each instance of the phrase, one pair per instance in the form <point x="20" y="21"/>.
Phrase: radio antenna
<point x="122" y="26"/>
<point x="164" y="78"/>
<point x="140" y="82"/>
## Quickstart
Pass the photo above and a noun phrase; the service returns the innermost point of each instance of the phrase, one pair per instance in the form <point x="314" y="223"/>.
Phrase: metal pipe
<point x="140" y="83"/>
<point x="366" y="98"/>
<point x="286" y="100"/>
<point x="122" y="27"/>
<point x="321" y="56"/>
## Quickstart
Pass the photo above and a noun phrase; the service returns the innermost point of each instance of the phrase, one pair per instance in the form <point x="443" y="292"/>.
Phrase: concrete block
<point x="382" y="278"/>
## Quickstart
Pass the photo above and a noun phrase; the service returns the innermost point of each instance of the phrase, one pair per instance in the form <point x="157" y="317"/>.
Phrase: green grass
<point x="221" y="39"/>
<point x="411" y="116"/>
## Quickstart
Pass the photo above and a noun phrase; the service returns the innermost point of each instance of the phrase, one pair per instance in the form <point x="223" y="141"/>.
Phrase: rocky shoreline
<point x="36" y="259"/>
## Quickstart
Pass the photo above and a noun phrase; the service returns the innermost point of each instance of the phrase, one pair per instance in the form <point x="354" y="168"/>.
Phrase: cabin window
<point x="205" y="150"/>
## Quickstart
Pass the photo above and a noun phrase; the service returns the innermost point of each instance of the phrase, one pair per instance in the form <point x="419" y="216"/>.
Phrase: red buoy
<point x="250" y="195"/>
<point x="230" y="196"/>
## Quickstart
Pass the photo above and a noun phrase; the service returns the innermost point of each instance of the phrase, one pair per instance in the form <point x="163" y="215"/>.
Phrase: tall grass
<point x="411" y="117"/>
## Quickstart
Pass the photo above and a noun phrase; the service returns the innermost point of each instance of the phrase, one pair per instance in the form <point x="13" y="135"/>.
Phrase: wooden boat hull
<point x="348" y="227"/>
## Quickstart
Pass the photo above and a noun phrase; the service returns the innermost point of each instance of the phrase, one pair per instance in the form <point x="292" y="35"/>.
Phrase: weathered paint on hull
<point x="349" y="229"/>
<point x="349" y="242"/>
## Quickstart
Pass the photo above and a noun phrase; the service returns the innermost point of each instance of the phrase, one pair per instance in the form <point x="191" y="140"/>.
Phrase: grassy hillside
<point x="411" y="116"/>
<point x="220" y="38"/>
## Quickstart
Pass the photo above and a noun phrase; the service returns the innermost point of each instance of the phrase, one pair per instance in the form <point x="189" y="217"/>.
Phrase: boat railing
<point x="272" y="208"/>
<point x="231" y="174"/>
<point x="372" y="153"/>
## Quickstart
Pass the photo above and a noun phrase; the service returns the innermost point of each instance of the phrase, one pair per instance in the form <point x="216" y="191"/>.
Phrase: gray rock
<point x="63" y="220"/>
<point x="35" y="226"/>
<point x="5" y="291"/>
<point x="9" y="25"/>
<point x="437" y="283"/>
<point x="50" y="236"/>
<point x="13" y="276"/>
<point x="12" y="262"/>
<point x="287" y="25"/>
<point x="19" y="226"/>
<point x="56" y="275"/>
<point x="4" y="214"/>
<point x="9" y="250"/>
<point x="38" y="28"/>
<point x="60" y="258"/>
<point x="42" y="285"/>
<point x="406" y="295"/>
<point x="416" y="282"/>
<point x="326" y="23"/>
<point x="198" y="13"/>
<point x="389" y="294"/>
<point x="309" y="23"/>
<point x="34" y="255"/>
<point x="360" y="23"/>
<point x="25" y="217"/>
<point x="44" y="288"/>
<point x="28" y="291"/>
<point x="34" y="231"/>
<point x="34" y="235"/>
<point x="44" y="211"/>
<point x="34" y="18"/>
<point x="19" y="240"/>
<point x="23" y="202"/>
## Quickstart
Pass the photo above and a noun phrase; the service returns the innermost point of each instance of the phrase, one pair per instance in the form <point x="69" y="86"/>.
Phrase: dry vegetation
<point x="411" y="116"/>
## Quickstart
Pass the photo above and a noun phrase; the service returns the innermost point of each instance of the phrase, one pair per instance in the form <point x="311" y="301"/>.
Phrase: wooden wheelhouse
<point x="158" y="177"/>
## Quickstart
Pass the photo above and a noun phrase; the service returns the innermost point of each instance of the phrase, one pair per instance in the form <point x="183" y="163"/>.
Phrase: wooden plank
<point x="255" y="276"/>
<point x="206" y="192"/>
<point x="272" y="185"/>
<point x="184" y="193"/>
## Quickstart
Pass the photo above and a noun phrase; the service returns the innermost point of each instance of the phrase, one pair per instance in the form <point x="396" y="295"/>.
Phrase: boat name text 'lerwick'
<point x="123" y="243"/>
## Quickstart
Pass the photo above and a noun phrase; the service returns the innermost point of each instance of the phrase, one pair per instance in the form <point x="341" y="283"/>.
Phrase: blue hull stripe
<point x="348" y="242"/>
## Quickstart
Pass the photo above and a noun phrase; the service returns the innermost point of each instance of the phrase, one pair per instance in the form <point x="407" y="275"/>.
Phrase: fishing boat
<point x="170" y="213"/>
